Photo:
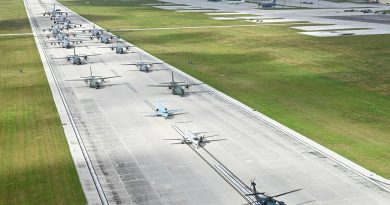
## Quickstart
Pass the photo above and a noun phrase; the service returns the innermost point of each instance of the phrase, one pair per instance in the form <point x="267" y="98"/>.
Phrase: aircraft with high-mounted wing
<point x="77" y="59"/>
<point x="94" y="81"/>
<point x="161" y="111"/>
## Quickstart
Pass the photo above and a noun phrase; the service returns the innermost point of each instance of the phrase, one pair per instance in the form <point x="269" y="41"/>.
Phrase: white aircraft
<point x="196" y="139"/>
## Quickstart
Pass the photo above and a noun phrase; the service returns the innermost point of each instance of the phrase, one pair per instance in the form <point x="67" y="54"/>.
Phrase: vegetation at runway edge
<point x="334" y="90"/>
<point x="36" y="165"/>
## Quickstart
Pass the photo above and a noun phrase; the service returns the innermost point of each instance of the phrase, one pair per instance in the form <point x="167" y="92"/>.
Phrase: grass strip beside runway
<point x="36" y="165"/>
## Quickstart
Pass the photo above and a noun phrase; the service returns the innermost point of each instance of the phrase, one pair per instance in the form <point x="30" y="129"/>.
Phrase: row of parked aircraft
<point x="61" y="22"/>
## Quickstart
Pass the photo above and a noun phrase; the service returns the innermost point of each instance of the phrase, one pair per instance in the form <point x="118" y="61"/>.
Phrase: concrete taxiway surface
<point x="125" y="157"/>
<point x="326" y="12"/>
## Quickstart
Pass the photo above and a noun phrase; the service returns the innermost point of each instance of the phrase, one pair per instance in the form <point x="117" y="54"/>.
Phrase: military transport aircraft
<point x="161" y="110"/>
<point x="175" y="86"/>
<point x="54" y="12"/>
<point x="76" y="58"/>
<point x="94" y="81"/>
<point x="263" y="199"/>
<point x="65" y="42"/>
<point x="106" y="38"/>
<point x="119" y="48"/>
<point x="196" y="139"/>
<point x="142" y="65"/>
<point x="59" y="19"/>
<point x="69" y="25"/>
<point x="95" y="32"/>
<point x="54" y="29"/>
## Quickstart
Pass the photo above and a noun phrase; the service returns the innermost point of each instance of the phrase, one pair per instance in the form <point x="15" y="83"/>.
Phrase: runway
<point x="125" y="157"/>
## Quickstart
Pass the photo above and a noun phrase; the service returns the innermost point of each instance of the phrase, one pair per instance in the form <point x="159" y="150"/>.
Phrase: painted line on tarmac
<point x="16" y="34"/>
<point x="202" y="27"/>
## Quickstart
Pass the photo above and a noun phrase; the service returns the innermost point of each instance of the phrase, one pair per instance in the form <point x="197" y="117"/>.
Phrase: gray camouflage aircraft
<point x="54" y="12"/>
<point x="76" y="58"/>
<point x="119" y="49"/>
<point x="161" y="110"/>
<point x="94" y="81"/>
<point x="142" y="65"/>
<point x="175" y="86"/>
<point x="54" y="30"/>
<point x="69" y="25"/>
<point x="106" y="38"/>
<point x="95" y="32"/>
<point x="59" y="19"/>
<point x="66" y="42"/>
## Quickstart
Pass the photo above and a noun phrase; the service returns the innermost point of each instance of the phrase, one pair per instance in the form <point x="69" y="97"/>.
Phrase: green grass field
<point x="35" y="163"/>
<point x="335" y="91"/>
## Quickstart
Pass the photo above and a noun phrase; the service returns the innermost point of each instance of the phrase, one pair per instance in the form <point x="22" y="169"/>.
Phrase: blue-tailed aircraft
<point x="77" y="59"/>
<point x="161" y="110"/>
<point x="94" y="81"/>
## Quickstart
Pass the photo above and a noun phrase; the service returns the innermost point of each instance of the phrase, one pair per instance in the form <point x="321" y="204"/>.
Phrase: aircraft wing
<point x="130" y="64"/>
<point x="191" y="84"/>
<point x="85" y="55"/>
<point x="172" y="112"/>
<point x="76" y="80"/>
<point x="159" y="85"/>
<point x="103" y="78"/>
<point x="150" y="114"/>
<point x="60" y="58"/>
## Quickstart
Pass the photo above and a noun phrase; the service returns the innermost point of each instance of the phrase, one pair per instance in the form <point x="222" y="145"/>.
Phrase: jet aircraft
<point x="76" y="58"/>
<point x="94" y="81"/>
<point x="161" y="110"/>
<point x="175" y="86"/>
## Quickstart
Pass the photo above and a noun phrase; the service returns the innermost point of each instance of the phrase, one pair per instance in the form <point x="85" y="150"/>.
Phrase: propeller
<point x="286" y="193"/>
